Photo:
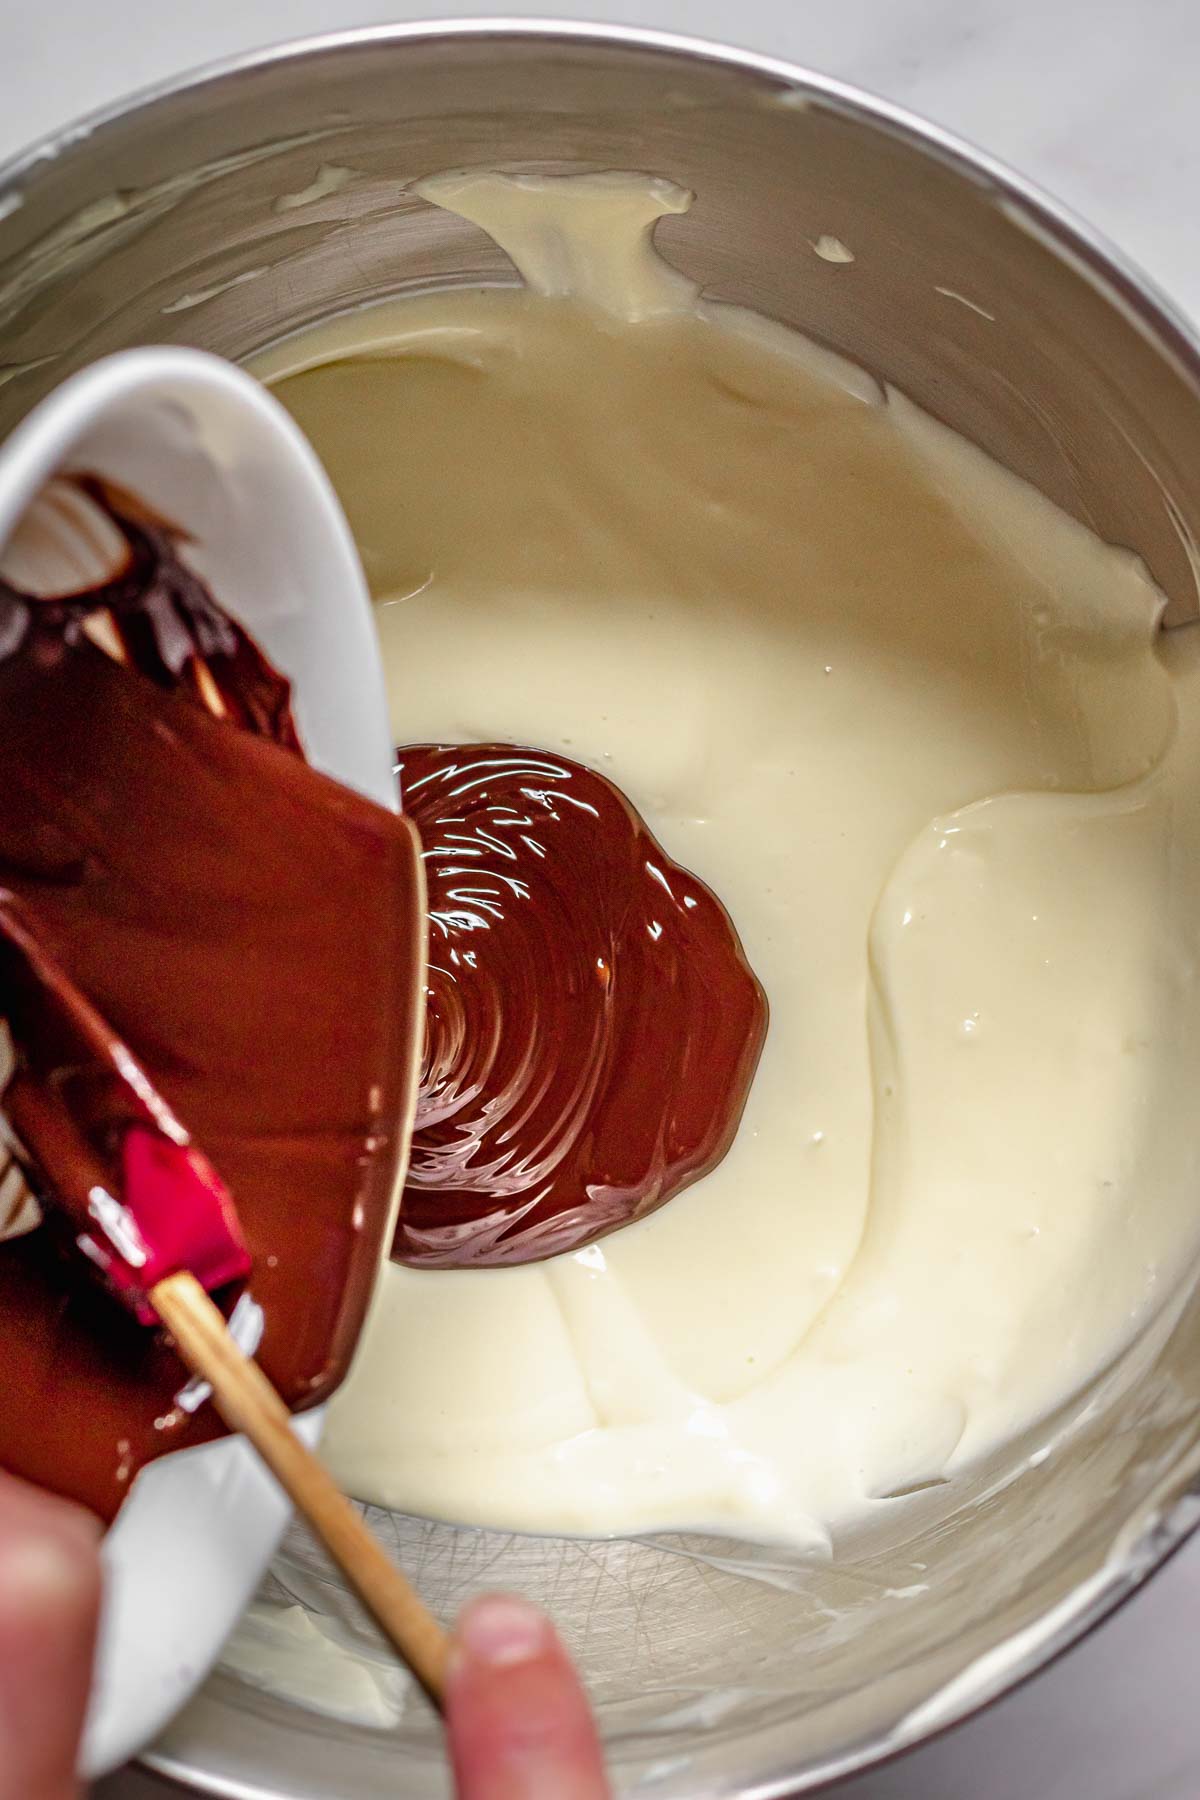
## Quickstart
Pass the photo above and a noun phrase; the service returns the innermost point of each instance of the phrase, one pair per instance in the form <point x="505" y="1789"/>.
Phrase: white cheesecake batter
<point x="915" y="728"/>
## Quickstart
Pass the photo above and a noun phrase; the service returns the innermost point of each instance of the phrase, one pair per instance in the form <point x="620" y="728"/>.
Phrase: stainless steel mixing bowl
<point x="191" y="216"/>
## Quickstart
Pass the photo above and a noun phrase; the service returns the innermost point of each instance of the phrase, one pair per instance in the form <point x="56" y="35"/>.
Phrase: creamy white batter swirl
<point x="916" y="728"/>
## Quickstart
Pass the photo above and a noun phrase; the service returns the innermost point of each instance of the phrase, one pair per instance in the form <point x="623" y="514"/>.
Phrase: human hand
<point x="518" y="1721"/>
<point x="49" y="1602"/>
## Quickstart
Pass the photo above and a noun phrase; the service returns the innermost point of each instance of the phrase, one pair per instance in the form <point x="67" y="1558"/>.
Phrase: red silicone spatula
<point x="159" y="1228"/>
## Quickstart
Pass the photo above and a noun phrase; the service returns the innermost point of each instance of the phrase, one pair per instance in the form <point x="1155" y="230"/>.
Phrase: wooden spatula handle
<point x="247" y="1402"/>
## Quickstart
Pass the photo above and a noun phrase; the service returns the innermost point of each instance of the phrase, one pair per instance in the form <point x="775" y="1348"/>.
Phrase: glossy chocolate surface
<point x="163" y="619"/>
<point x="252" y="931"/>
<point x="593" y="1024"/>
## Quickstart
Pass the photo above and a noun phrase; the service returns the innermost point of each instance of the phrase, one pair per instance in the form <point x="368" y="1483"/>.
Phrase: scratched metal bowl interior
<point x="191" y="217"/>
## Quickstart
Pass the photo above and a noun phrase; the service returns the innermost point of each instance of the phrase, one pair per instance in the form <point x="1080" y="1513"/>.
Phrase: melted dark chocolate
<point x="252" y="931"/>
<point x="593" y="1025"/>
<point x="166" y="622"/>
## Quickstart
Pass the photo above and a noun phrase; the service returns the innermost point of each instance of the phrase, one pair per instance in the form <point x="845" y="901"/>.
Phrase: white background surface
<point x="1097" y="99"/>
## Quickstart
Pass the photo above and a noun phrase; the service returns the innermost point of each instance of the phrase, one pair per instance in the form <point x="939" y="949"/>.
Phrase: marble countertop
<point x="1096" y="99"/>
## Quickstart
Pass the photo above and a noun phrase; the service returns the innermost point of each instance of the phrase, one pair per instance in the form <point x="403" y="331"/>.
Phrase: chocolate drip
<point x="167" y="623"/>
<point x="593" y="1025"/>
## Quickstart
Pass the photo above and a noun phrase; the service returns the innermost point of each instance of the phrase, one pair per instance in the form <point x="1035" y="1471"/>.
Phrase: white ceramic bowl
<point x="206" y="446"/>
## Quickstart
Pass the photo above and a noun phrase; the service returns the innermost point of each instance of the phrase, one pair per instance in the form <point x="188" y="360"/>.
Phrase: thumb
<point x="49" y="1600"/>
<point x="519" y="1723"/>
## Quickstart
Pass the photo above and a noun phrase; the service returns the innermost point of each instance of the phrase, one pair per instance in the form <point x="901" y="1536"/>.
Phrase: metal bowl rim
<point x="1109" y="269"/>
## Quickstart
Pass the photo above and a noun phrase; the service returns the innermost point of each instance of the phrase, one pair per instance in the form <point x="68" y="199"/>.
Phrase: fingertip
<point x="25" y="1507"/>
<point x="45" y="1572"/>
<point x="49" y="1563"/>
<point x="519" y="1721"/>
<point x="50" y="1593"/>
<point x="500" y="1629"/>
